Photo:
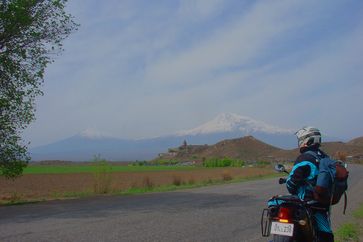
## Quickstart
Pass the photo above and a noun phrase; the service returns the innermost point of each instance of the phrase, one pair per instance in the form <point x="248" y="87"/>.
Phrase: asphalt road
<point x="216" y="213"/>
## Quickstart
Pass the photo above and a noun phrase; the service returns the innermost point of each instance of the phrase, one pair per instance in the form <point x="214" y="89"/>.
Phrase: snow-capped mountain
<point x="85" y="145"/>
<point x="229" y="122"/>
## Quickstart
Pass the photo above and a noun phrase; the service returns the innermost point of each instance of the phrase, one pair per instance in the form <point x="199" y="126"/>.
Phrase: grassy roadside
<point x="148" y="187"/>
<point x="189" y="185"/>
<point x="352" y="231"/>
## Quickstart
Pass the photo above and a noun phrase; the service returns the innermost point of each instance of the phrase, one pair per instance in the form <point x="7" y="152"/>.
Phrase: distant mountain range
<point x="83" y="146"/>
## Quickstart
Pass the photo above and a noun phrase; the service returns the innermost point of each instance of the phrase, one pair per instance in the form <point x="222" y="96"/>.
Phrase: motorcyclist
<point x="302" y="179"/>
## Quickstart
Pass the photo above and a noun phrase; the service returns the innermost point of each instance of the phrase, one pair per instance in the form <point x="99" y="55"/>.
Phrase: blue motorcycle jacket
<point x="302" y="178"/>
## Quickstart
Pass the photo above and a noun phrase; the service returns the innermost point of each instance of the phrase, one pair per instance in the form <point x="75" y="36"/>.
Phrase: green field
<point x="62" y="169"/>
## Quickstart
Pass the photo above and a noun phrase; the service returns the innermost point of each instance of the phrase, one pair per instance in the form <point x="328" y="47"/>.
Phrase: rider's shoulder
<point x="310" y="156"/>
<point x="305" y="157"/>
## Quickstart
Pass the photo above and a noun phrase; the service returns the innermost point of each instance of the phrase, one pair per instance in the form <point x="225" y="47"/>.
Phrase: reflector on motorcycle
<point x="284" y="214"/>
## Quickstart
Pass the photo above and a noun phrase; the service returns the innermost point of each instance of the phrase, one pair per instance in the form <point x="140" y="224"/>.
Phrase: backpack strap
<point x="314" y="157"/>
<point x="314" y="154"/>
<point x="345" y="202"/>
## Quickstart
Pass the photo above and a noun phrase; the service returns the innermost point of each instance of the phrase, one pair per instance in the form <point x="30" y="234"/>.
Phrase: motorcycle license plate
<point x="282" y="228"/>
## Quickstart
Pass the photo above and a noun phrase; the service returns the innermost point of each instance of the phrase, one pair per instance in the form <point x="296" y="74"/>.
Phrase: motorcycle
<point x="288" y="218"/>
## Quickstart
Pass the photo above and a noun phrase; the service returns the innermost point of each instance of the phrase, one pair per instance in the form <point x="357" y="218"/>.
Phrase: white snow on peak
<point x="229" y="122"/>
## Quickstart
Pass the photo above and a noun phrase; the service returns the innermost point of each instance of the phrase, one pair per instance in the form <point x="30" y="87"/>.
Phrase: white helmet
<point x="308" y="136"/>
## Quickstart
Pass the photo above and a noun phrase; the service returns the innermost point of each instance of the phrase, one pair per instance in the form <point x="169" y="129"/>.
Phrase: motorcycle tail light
<point x="284" y="214"/>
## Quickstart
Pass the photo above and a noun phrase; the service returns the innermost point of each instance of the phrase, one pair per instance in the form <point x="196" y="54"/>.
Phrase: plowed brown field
<point x="51" y="186"/>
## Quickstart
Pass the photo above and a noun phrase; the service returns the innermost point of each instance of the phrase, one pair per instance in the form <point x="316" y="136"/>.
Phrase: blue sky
<point x="144" y="68"/>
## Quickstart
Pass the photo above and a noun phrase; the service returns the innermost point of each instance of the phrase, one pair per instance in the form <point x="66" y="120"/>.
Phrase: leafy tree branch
<point x="31" y="33"/>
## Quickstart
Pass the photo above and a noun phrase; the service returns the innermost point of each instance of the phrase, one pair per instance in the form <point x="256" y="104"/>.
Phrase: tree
<point x="31" y="35"/>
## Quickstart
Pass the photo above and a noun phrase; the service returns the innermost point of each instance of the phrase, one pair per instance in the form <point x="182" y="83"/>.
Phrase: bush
<point x="177" y="181"/>
<point x="262" y="163"/>
<point x="225" y="162"/>
<point x="147" y="183"/>
<point x="13" y="198"/>
<point x="166" y="162"/>
<point x="191" y="181"/>
<point x="238" y="163"/>
<point x="102" y="176"/>
<point x="139" y="163"/>
<point x="226" y="176"/>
